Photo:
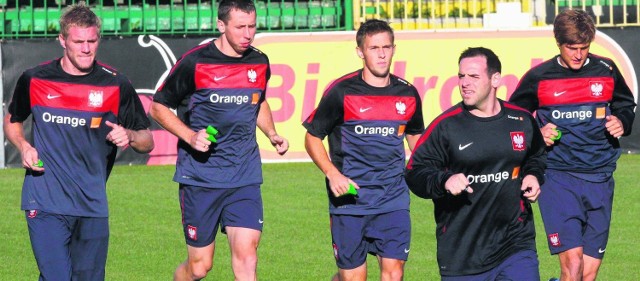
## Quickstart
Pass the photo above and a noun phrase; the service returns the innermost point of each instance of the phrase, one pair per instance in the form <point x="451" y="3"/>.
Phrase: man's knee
<point x="199" y="268"/>
<point x="392" y="274"/>
<point x="245" y="251"/>
<point x="572" y="261"/>
<point x="392" y="270"/>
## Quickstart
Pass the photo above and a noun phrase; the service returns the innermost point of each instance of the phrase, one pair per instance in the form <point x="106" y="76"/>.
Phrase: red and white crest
<point x="192" y="232"/>
<point x="401" y="108"/>
<point x="95" y="98"/>
<point x="596" y="88"/>
<point x="32" y="213"/>
<point x="554" y="240"/>
<point x="335" y="251"/>
<point x="252" y="75"/>
<point x="517" y="141"/>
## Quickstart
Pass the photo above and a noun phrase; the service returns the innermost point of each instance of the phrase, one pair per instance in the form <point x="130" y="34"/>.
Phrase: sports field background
<point x="147" y="243"/>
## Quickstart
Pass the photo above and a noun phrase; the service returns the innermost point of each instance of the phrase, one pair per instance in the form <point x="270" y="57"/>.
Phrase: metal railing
<point x="39" y="18"/>
<point x="607" y="13"/>
<point x="438" y="14"/>
<point x="431" y="14"/>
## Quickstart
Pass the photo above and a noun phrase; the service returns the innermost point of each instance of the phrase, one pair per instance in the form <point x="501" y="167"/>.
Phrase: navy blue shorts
<point x="205" y="209"/>
<point x="522" y="266"/>
<point x="68" y="247"/>
<point x="386" y="235"/>
<point x="576" y="213"/>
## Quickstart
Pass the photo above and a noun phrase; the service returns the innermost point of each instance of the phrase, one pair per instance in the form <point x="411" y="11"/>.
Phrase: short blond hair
<point x="79" y="15"/>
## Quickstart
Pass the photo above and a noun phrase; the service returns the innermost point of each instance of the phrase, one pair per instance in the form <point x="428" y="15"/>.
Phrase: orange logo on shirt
<point x="401" y="129"/>
<point x="601" y="112"/>
<point x="95" y="122"/>
<point x="515" y="173"/>
<point x="255" y="98"/>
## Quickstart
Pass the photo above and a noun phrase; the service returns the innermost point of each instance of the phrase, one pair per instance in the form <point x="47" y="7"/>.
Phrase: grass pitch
<point x="147" y="243"/>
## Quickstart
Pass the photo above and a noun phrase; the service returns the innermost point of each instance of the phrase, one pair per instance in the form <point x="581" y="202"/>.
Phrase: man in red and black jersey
<point x="82" y="112"/>
<point x="583" y="106"/>
<point x="220" y="84"/>
<point x="481" y="162"/>
<point x="367" y="114"/>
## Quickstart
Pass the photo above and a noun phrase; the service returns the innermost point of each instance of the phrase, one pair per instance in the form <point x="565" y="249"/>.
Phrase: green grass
<point x="147" y="244"/>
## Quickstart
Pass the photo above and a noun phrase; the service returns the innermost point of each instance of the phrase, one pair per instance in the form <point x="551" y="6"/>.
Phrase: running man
<point x="220" y="84"/>
<point x="583" y="99"/>
<point x="367" y="114"/>
<point x="82" y="112"/>
<point x="481" y="162"/>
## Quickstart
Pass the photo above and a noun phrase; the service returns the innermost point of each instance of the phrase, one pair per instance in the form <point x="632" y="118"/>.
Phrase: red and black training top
<point x="207" y="87"/>
<point x="577" y="102"/>
<point x="478" y="231"/>
<point x="69" y="132"/>
<point x="366" y="126"/>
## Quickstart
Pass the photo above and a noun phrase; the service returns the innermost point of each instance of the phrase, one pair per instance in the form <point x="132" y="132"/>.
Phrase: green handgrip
<point x="212" y="131"/>
<point x="352" y="190"/>
<point x="558" y="136"/>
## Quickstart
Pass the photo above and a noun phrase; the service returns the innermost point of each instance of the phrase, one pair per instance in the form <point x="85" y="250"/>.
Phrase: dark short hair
<point x="372" y="27"/>
<point x="79" y="15"/>
<point x="226" y="6"/>
<point x="493" y="62"/>
<point x="574" y="27"/>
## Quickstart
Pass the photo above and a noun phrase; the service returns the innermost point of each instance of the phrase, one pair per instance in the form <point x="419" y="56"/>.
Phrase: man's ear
<point x="496" y="78"/>
<point x="63" y="43"/>
<point x="359" y="52"/>
<point x="221" y="26"/>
